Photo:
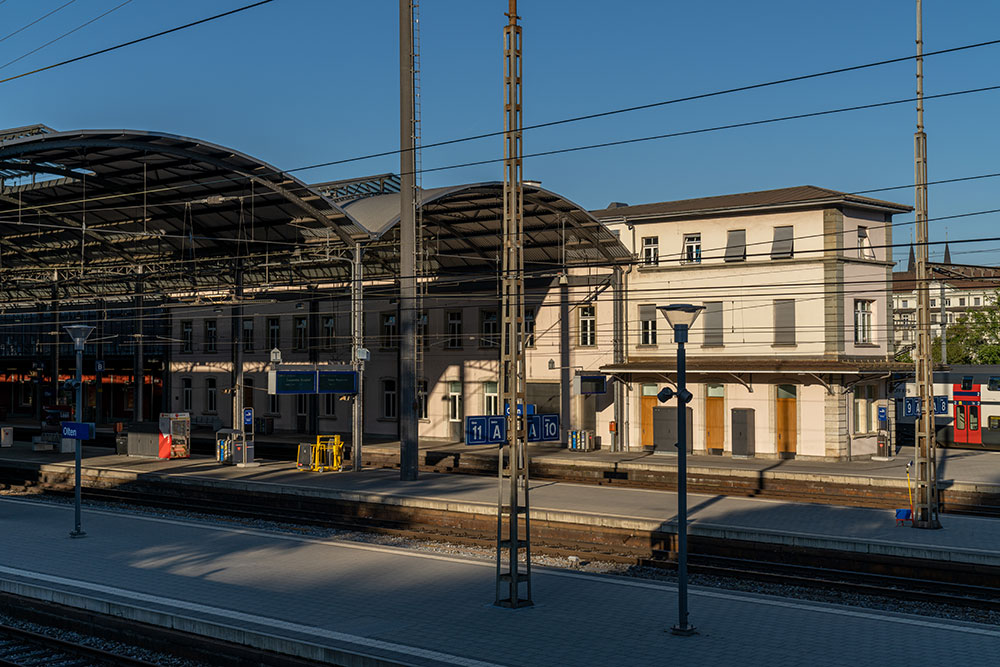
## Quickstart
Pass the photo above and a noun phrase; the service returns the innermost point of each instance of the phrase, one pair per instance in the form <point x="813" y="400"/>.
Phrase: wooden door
<point x="786" y="425"/>
<point x="648" y="403"/>
<point x="715" y="424"/>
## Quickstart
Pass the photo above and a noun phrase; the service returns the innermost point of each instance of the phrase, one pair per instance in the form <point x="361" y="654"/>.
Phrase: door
<point x="786" y="425"/>
<point x="967" y="428"/>
<point x="715" y="419"/>
<point x="648" y="402"/>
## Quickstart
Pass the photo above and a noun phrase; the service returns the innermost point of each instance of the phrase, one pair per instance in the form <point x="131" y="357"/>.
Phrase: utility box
<point x="175" y="435"/>
<point x="665" y="429"/>
<point x="144" y="439"/>
<point x="743" y="433"/>
<point x="6" y="436"/>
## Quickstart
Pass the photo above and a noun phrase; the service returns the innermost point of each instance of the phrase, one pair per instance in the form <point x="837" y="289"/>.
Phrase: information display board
<point x="338" y="382"/>
<point x="292" y="382"/>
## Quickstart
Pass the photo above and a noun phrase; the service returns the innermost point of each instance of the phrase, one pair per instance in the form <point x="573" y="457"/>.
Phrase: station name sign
<point x="312" y="382"/>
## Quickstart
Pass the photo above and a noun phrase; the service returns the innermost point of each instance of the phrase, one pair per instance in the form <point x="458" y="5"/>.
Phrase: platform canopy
<point x="84" y="214"/>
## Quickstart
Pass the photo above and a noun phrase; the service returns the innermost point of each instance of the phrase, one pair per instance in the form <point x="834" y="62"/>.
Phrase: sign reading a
<point x="78" y="430"/>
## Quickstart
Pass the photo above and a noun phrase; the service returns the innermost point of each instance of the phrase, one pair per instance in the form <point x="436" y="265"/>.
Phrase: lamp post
<point x="681" y="317"/>
<point x="79" y="333"/>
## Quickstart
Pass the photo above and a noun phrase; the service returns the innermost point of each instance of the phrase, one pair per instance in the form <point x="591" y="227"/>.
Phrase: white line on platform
<point x="768" y="600"/>
<point x="231" y="615"/>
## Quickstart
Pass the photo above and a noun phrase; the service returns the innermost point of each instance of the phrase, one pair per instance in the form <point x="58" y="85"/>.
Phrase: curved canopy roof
<point x="84" y="212"/>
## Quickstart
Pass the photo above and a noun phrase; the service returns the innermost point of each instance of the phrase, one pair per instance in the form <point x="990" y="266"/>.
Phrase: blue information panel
<point x="248" y="416"/>
<point x="99" y="365"/>
<point x="295" y="382"/>
<point x="485" y="430"/>
<point x="520" y="409"/>
<point x="542" y="428"/>
<point x="911" y="406"/>
<point x="883" y="413"/>
<point x="337" y="382"/>
<point x="940" y="405"/>
<point x="78" y="430"/>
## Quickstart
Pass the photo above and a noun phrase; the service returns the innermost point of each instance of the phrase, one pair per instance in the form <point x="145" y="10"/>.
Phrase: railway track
<point x="23" y="648"/>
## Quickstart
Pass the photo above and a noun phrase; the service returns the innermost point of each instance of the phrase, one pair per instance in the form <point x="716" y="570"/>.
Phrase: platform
<point x="964" y="539"/>
<point x="332" y="600"/>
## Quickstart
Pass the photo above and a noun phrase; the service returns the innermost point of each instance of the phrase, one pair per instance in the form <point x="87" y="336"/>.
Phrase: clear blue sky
<point x="303" y="81"/>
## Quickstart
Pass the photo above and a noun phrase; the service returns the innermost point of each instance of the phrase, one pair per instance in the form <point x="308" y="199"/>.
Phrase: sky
<point x="300" y="82"/>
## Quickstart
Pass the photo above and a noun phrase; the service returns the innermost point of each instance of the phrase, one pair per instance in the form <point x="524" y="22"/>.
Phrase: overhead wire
<point x="41" y="18"/>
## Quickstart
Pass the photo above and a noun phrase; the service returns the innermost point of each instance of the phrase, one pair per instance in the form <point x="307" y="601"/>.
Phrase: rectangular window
<point x="651" y="250"/>
<point x="692" y="248"/>
<point x="933" y="303"/>
<point x="588" y="326"/>
<point x="211" y="336"/>
<point x="248" y="334"/>
<point x="862" y="321"/>
<point x="248" y="392"/>
<point x="961" y="301"/>
<point x="389" y="399"/>
<point x="274" y="404"/>
<point x="529" y="327"/>
<point x="211" y="396"/>
<point x="455" y="330"/>
<point x="976" y="301"/>
<point x="329" y="332"/>
<point x="454" y="401"/>
<point x="491" y="398"/>
<point x="906" y="304"/>
<point x="784" y="321"/>
<point x="865" y="250"/>
<point x="301" y="334"/>
<point x="736" y="245"/>
<point x="647" y="324"/>
<point x="302" y="405"/>
<point x="330" y="405"/>
<point x="389" y="333"/>
<point x="947" y="302"/>
<point x="186" y="394"/>
<point x="489" y="329"/>
<point x="781" y="246"/>
<point x="865" y="412"/>
<point x="273" y="333"/>
<point x="422" y="399"/>
<point x="712" y="325"/>
<point x="187" y="336"/>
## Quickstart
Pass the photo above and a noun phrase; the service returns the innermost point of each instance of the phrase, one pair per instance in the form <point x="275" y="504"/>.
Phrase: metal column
<point x="513" y="538"/>
<point x="618" y="276"/>
<point x="358" y="343"/>
<point x="138" y="362"/>
<point x="926" y="495"/>
<point x="237" y="327"/>
<point x="408" y="421"/>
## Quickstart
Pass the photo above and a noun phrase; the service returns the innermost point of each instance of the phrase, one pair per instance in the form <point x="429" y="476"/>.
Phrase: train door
<point x="968" y="416"/>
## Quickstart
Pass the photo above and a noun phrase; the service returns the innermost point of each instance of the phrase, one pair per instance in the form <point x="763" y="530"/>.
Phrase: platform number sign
<point x="485" y="430"/>
<point x="911" y="406"/>
<point x="940" y="405"/>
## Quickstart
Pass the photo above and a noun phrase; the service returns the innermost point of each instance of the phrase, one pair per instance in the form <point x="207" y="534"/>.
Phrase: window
<point x="273" y="333"/>
<point x="302" y="405"/>
<point x="455" y="401"/>
<point x="489" y="329"/>
<point x="247" y="392"/>
<point x="906" y="304"/>
<point x="588" y="326"/>
<point x="455" y="329"/>
<point x="330" y="405"/>
<point x="491" y="398"/>
<point x="862" y="321"/>
<point x="211" y="336"/>
<point x="529" y="327"/>
<point x="736" y="245"/>
<point x="784" y="321"/>
<point x="389" y="399"/>
<point x="933" y="303"/>
<point x="976" y="301"/>
<point x="300" y="341"/>
<point x="961" y="301"/>
<point x="248" y="334"/>
<point x="865" y="412"/>
<point x="329" y="332"/>
<point x="692" y="248"/>
<point x="647" y="324"/>
<point x="934" y="318"/>
<point x="712" y="325"/>
<point x="211" y="396"/>
<point x="422" y="399"/>
<point x="947" y="302"/>
<point x="187" y="336"/>
<point x="781" y="246"/>
<point x="186" y="394"/>
<point x="274" y="404"/>
<point x="865" y="250"/>
<point x="651" y="250"/>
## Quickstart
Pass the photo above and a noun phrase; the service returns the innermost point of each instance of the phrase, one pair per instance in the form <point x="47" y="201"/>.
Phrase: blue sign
<point x="883" y="413"/>
<point x="911" y="406"/>
<point x="534" y="428"/>
<point x="940" y="405"/>
<point x="78" y="430"/>
<point x="248" y="416"/>
<point x="99" y="366"/>
<point x="485" y="430"/>
<point x="543" y="427"/>
<point x="520" y="409"/>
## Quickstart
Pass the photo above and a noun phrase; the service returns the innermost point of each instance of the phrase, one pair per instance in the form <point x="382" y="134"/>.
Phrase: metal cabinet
<point x="743" y="432"/>
<point x="665" y="429"/>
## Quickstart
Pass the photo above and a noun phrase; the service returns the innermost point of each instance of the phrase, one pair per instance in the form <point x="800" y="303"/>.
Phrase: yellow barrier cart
<point x="325" y="455"/>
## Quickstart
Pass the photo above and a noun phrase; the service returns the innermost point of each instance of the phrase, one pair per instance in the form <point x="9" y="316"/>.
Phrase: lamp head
<point x="680" y="314"/>
<point x="79" y="333"/>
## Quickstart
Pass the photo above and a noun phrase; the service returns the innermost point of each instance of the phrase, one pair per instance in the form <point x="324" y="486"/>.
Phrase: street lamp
<point x="681" y="317"/>
<point x="79" y="333"/>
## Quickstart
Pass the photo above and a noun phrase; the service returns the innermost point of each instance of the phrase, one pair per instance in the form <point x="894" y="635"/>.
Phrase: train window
<point x="960" y="419"/>
<point x="973" y="417"/>
<point x="967" y="383"/>
<point x="995" y="383"/>
<point x="994" y="423"/>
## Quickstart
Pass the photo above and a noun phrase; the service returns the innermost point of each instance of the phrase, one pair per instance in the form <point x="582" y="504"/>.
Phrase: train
<point x="971" y="418"/>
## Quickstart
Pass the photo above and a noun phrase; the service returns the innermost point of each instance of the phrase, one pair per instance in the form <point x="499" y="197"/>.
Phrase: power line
<point x="42" y="18"/>
<point x="136" y="41"/>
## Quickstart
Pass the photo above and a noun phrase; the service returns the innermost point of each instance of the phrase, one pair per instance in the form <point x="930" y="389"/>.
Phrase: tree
<point x="975" y="337"/>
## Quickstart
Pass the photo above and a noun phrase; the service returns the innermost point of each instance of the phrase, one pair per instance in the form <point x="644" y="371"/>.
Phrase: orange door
<point x="785" y="422"/>
<point x="715" y="423"/>
<point x="648" y="403"/>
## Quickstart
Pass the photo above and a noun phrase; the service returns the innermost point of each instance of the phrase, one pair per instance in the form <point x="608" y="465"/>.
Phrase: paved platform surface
<point x="963" y="538"/>
<point x="425" y="609"/>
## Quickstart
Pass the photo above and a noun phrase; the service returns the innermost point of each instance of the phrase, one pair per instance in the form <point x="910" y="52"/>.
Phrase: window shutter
<point x="736" y="245"/>
<point x="647" y="312"/>
<point x="781" y="247"/>
<point x="784" y="322"/>
<point x="713" y="323"/>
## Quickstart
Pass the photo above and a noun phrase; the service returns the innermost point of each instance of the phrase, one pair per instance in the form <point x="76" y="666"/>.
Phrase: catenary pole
<point x="408" y="423"/>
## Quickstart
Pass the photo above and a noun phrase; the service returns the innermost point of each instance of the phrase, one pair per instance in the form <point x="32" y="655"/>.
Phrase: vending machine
<point x="175" y="435"/>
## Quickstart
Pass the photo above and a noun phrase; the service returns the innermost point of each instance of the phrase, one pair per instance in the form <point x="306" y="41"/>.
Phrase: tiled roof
<point x="802" y="195"/>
